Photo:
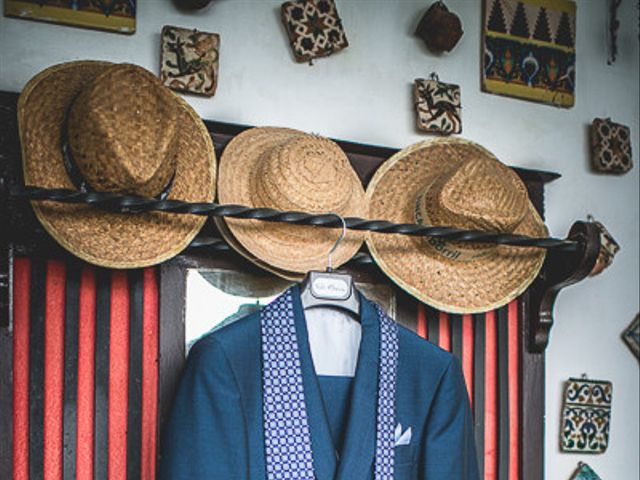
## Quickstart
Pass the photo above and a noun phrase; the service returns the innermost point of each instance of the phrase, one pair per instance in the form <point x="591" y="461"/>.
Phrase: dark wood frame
<point x="23" y="235"/>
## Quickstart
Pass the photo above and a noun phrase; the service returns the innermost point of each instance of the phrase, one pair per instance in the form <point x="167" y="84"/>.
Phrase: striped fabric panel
<point x="86" y="376"/>
<point x="71" y="326"/>
<point x="421" y="322"/>
<point x="487" y="346"/>
<point x="455" y="327"/>
<point x="21" y="334"/>
<point x="490" y="397"/>
<point x="513" y="321"/>
<point x="150" y="355"/>
<point x="479" y="336"/>
<point x="102" y="347"/>
<point x="35" y="347"/>
<point x="118" y="374"/>
<point x="433" y="325"/>
<point x="444" y="333"/>
<point x="468" y="352"/>
<point x="54" y="321"/>
<point x="134" y="399"/>
<point x="503" y="394"/>
<point x="85" y="351"/>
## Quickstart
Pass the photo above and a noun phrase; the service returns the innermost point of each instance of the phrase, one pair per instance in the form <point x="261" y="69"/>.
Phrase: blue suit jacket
<point x="215" y="430"/>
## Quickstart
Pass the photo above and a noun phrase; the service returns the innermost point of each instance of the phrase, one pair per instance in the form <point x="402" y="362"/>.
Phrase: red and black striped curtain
<point x="85" y="373"/>
<point x="488" y="349"/>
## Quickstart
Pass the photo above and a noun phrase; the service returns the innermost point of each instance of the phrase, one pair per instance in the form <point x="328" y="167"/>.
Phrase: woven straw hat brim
<point x="457" y="287"/>
<point x="237" y="246"/>
<point x="287" y="250"/>
<point x="107" y="239"/>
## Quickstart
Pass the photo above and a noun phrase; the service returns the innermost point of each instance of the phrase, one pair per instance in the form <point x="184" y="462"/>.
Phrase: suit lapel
<point x="324" y="453"/>
<point x="359" y="446"/>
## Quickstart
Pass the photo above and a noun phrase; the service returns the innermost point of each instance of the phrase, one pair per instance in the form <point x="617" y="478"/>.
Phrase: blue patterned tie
<point x="287" y="436"/>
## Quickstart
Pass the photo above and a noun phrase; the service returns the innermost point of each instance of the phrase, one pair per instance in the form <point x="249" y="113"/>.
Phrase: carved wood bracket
<point x="560" y="269"/>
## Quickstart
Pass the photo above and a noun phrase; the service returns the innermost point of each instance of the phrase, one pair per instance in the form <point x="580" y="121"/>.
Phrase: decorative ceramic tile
<point x="314" y="28"/>
<point x="437" y="106"/>
<point x="584" y="472"/>
<point x="116" y="16"/>
<point x="529" y="50"/>
<point x="608" y="249"/>
<point x="586" y="416"/>
<point x="631" y="336"/>
<point x="610" y="146"/>
<point x="189" y="60"/>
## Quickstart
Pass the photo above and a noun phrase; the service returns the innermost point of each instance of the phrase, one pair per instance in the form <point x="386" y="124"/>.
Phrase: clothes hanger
<point x="330" y="289"/>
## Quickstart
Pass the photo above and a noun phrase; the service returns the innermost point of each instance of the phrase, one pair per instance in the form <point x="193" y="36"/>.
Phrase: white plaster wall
<point x="363" y="94"/>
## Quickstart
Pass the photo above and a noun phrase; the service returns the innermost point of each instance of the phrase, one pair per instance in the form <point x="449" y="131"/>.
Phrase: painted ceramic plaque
<point x="529" y="50"/>
<point x="314" y="28"/>
<point x="437" y="106"/>
<point x="610" y="146"/>
<point x="586" y="415"/>
<point x="631" y="336"/>
<point x="189" y="60"/>
<point x="112" y="15"/>
<point x="584" y="472"/>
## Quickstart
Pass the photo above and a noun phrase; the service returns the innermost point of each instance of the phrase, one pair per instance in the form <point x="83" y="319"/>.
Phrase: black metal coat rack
<point x="131" y="204"/>
<point x="567" y="261"/>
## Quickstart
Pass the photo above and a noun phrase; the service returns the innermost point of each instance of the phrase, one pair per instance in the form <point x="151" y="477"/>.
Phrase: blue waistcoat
<point x="215" y="430"/>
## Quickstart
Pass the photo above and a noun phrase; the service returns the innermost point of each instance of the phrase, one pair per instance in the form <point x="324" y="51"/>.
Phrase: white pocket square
<point x="402" y="438"/>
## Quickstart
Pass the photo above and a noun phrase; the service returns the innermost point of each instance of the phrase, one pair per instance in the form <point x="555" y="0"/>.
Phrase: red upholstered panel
<point x="118" y="374"/>
<point x="58" y="308"/>
<point x="445" y="332"/>
<point x="514" y="393"/>
<point x="421" y="328"/>
<point x="491" y="398"/>
<point x="86" y="382"/>
<point x="489" y="353"/>
<point x="21" y="313"/>
<point x="149" y="375"/>
<point x="54" y="369"/>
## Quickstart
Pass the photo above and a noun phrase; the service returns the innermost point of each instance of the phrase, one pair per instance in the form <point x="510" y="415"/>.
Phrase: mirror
<point x="216" y="297"/>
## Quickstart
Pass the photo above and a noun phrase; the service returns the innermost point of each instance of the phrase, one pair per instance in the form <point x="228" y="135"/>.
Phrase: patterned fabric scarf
<point x="287" y="435"/>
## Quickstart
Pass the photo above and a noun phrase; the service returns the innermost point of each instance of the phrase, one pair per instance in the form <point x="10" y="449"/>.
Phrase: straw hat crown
<point x="480" y="194"/>
<point x="111" y="155"/>
<point x="99" y="126"/>
<point x="454" y="182"/>
<point x="304" y="173"/>
<point x="288" y="169"/>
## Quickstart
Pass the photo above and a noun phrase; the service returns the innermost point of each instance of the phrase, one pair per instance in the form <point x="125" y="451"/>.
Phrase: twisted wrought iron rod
<point x="220" y="245"/>
<point x="133" y="204"/>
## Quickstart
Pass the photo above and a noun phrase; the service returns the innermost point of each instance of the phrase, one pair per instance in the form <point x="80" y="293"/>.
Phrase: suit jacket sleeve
<point x="205" y="435"/>
<point x="450" y="446"/>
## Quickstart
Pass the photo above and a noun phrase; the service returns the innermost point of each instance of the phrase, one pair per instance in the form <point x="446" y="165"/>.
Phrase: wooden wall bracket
<point x="560" y="269"/>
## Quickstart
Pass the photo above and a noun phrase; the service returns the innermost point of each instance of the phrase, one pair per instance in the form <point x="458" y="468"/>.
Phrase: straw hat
<point x="122" y="132"/>
<point x="454" y="182"/>
<point x="288" y="170"/>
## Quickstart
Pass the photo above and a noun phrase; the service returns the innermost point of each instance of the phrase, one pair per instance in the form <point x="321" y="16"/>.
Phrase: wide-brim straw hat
<point x="127" y="134"/>
<point x="454" y="182"/>
<point x="289" y="170"/>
